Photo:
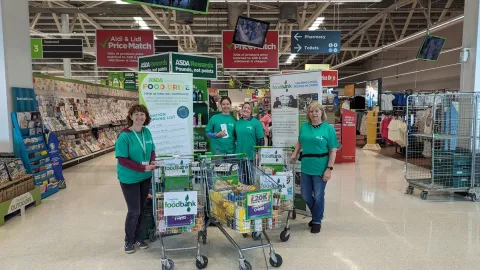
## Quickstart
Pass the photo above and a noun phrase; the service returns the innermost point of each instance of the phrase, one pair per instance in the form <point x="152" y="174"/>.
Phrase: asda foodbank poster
<point x="169" y="99"/>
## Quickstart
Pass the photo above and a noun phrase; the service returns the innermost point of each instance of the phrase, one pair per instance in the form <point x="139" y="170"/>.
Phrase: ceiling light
<point x="320" y="19"/>
<point x="141" y="22"/>
<point x="120" y="2"/>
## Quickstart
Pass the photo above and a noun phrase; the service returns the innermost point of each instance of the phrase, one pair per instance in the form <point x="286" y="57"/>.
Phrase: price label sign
<point x="259" y="204"/>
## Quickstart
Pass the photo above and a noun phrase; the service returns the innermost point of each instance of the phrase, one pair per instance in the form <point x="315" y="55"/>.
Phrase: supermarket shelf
<point x="81" y="159"/>
<point x="202" y="126"/>
<point x="50" y="192"/>
<point x="200" y="102"/>
<point x="38" y="158"/>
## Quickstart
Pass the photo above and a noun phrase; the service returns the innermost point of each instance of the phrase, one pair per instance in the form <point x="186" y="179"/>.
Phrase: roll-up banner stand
<point x="291" y="95"/>
<point x="169" y="99"/>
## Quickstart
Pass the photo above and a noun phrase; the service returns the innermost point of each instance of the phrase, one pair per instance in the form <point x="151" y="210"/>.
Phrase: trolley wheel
<point x="245" y="235"/>
<point x="248" y="266"/>
<point x="172" y="265"/>
<point x="279" y="261"/>
<point x="202" y="265"/>
<point x="294" y="214"/>
<point x="424" y="195"/>
<point x="256" y="236"/>
<point x="152" y="235"/>
<point x="474" y="197"/>
<point x="204" y="237"/>
<point x="285" y="235"/>
<point x="409" y="190"/>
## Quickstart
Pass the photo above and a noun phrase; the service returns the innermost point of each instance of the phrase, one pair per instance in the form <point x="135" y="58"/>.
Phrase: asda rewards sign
<point x="202" y="67"/>
<point x="180" y="203"/>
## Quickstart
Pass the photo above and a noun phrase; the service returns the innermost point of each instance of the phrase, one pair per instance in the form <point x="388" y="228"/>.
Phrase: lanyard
<point x="142" y="143"/>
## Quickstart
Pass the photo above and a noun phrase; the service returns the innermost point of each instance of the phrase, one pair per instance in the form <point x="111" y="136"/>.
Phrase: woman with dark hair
<point x="135" y="152"/>
<point x="249" y="133"/>
<point x="220" y="129"/>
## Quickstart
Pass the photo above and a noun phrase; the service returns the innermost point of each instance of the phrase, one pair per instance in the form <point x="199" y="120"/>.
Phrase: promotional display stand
<point x="346" y="134"/>
<point x="29" y="141"/>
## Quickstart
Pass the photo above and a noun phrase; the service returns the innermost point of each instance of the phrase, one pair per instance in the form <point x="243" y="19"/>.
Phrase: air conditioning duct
<point x="288" y="13"/>
<point x="184" y="17"/>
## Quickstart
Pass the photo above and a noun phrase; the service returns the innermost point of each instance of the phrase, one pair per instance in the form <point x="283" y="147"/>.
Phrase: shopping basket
<point x="275" y="161"/>
<point x="179" y="205"/>
<point x="237" y="202"/>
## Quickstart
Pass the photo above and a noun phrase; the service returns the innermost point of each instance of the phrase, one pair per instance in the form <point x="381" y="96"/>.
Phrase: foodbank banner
<point x="169" y="99"/>
<point x="291" y="94"/>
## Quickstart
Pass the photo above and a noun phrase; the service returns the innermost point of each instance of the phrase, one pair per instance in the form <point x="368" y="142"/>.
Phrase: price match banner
<point x="291" y="94"/>
<point x="169" y="99"/>
<point x="122" y="48"/>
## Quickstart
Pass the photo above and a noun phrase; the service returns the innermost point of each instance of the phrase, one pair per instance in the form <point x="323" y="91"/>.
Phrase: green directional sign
<point x="154" y="63"/>
<point x="56" y="48"/>
<point x="36" y="48"/>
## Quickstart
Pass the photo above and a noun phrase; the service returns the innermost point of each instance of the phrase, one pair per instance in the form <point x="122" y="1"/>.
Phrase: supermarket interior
<point x="239" y="134"/>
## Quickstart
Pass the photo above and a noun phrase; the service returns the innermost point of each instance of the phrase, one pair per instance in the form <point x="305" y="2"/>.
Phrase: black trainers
<point x="310" y="224"/>
<point x="141" y="244"/>
<point x="316" y="228"/>
<point x="129" y="248"/>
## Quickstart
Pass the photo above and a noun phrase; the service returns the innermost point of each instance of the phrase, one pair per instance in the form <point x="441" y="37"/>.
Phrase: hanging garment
<point x="403" y="134"/>
<point x="384" y="128"/>
<point x="363" y="126"/>
<point x="346" y="105"/>
<point x="387" y="102"/>
<point x="394" y="130"/>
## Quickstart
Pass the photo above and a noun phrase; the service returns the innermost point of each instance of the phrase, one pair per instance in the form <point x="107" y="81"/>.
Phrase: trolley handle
<point x="225" y="155"/>
<point x="267" y="147"/>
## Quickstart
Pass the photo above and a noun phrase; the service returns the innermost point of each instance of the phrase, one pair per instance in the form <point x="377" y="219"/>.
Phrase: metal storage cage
<point x="443" y="142"/>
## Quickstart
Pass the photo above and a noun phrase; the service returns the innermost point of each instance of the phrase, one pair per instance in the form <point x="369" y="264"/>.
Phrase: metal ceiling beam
<point x="74" y="21"/>
<point x="445" y="10"/>
<point x="304" y="15"/>
<point x="382" y="28"/>
<point x="427" y="16"/>
<point x="152" y="15"/>
<point x="87" y="40"/>
<point x="356" y="32"/>
<point x="35" y="20"/>
<point x="409" y="18"/>
<point x="55" y="18"/>
<point x="310" y="20"/>
<point x="360" y="44"/>
<point x="410" y="38"/>
<point x="392" y="26"/>
<point x="81" y="13"/>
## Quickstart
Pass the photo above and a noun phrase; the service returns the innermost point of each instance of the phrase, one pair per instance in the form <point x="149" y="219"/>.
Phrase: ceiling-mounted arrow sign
<point x="315" y="42"/>
<point x="298" y="48"/>
<point x="297" y="36"/>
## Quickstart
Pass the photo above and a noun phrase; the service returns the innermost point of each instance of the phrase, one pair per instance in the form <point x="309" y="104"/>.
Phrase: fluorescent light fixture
<point x="141" y="22"/>
<point x="120" y="2"/>
<point x="290" y="58"/>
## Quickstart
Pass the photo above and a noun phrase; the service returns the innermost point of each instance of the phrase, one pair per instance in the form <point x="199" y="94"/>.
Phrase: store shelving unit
<point x="32" y="150"/>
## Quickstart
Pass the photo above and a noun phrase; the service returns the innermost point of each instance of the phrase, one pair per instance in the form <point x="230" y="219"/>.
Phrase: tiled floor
<point x="370" y="224"/>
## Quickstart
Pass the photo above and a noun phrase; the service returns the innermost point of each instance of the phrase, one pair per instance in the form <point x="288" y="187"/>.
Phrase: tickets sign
<point x="243" y="57"/>
<point x="122" y="48"/>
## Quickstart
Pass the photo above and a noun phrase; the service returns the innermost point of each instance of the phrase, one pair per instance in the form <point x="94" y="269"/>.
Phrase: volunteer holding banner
<point x="135" y="152"/>
<point x="249" y="133"/>
<point x="221" y="128"/>
<point x="318" y="141"/>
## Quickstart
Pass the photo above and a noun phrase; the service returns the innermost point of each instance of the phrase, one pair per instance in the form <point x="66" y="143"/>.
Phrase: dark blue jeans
<point x="313" y="193"/>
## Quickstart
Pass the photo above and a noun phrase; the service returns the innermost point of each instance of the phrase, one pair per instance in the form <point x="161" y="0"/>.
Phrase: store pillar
<point x="470" y="76"/>
<point x="15" y="62"/>
<point x="67" y="63"/>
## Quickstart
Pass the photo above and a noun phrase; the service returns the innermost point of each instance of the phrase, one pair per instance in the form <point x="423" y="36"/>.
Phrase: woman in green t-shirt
<point x="318" y="142"/>
<point x="135" y="152"/>
<point x="221" y="128"/>
<point x="249" y="133"/>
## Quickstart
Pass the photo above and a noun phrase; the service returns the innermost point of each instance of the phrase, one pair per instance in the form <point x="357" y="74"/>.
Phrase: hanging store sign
<point x="122" y="48"/>
<point x="202" y="67"/>
<point x="330" y="78"/>
<point x="154" y="63"/>
<point x="246" y="57"/>
<point x="166" y="45"/>
<point x="315" y="42"/>
<point x="317" y="67"/>
<point x="130" y="82"/>
<point x="56" y="48"/>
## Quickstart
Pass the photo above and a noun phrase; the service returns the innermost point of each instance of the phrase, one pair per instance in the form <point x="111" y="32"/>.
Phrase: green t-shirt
<point x="247" y="133"/>
<point x="316" y="141"/>
<point x="225" y="145"/>
<point x="128" y="146"/>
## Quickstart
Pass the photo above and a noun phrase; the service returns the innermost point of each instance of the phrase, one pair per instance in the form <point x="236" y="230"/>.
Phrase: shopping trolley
<point x="237" y="202"/>
<point x="179" y="205"/>
<point x="275" y="161"/>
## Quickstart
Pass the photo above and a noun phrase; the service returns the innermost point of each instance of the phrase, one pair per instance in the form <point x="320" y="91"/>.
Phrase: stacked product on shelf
<point x="201" y="115"/>
<point x="30" y="146"/>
